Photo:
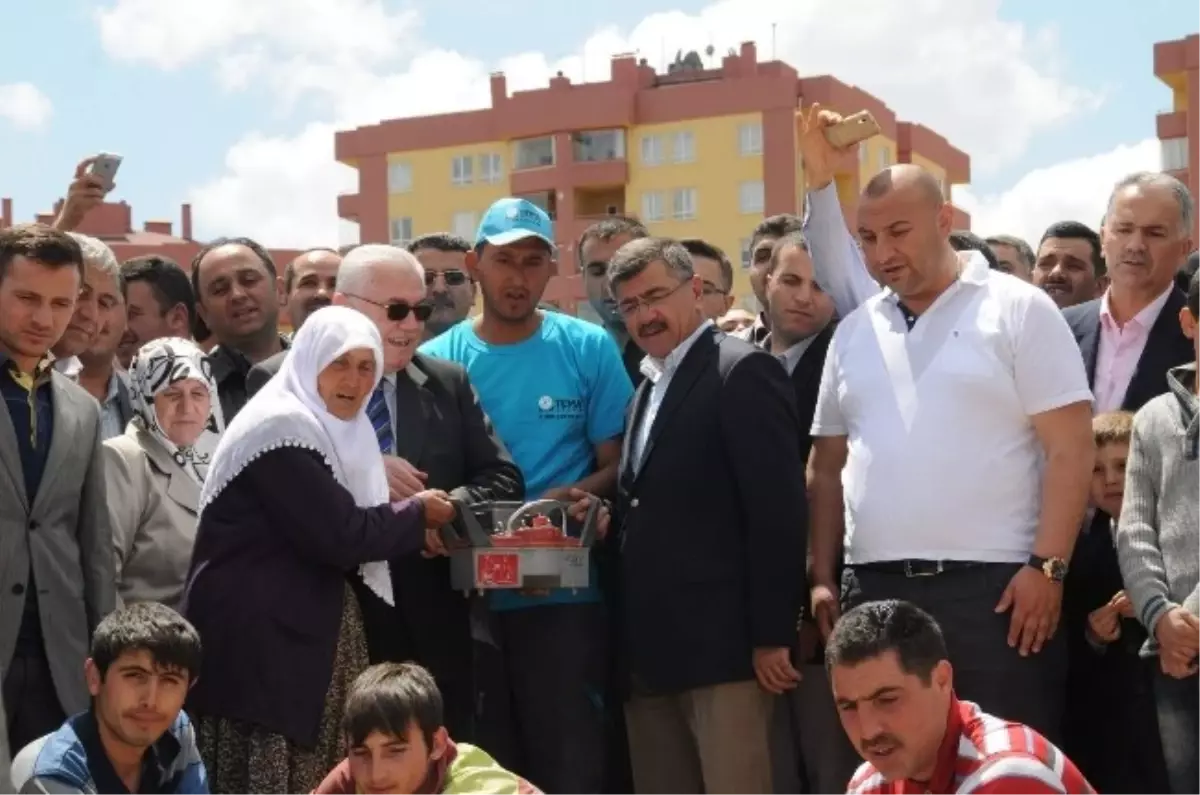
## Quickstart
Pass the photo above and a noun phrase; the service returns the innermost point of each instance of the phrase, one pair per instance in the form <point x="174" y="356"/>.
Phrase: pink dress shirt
<point x="1120" y="350"/>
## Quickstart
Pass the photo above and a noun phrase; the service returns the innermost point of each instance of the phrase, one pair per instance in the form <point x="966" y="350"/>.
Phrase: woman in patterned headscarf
<point x="155" y="471"/>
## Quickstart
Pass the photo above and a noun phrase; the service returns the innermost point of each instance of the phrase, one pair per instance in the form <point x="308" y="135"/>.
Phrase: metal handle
<point x="537" y="506"/>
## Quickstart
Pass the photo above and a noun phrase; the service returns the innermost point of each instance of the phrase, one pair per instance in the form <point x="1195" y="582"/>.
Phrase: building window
<point x="864" y="155"/>
<point x="652" y="150"/>
<point x="683" y="204"/>
<point x="745" y="246"/>
<point x="750" y="139"/>
<point x="399" y="177"/>
<point x="462" y="170"/>
<point x="684" y="147"/>
<point x="750" y="197"/>
<point x="1174" y="154"/>
<point x="598" y="145"/>
<point x="652" y="207"/>
<point x="533" y="153"/>
<point x="491" y="170"/>
<point x="885" y="158"/>
<point x="402" y="231"/>
<point x="464" y="225"/>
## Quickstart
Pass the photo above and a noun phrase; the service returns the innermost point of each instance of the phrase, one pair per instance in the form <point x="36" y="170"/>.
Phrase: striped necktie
<point x="381" y="420"/>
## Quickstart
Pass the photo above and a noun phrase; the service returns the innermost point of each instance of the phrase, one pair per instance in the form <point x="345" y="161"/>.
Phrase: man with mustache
<point x="1070" y="264"/>
<point x="159" y="302"/>
<point x="308" y="283"/>
<point x="555" y="387"/>
<point x="135" y="736"/>
<point x="238" y="295"/>
<point x="894" y="686"/>
<point x="451" y="290"/>
<point x="433" y="434"/>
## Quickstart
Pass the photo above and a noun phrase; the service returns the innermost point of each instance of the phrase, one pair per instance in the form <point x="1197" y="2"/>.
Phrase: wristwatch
<point x="1055" y="569"/>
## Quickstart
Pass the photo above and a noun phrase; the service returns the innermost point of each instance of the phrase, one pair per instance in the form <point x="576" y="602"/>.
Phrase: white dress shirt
<point x="659" y="374"/>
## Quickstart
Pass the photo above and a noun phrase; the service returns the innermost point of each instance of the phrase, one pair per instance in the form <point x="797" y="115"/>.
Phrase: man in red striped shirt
<point x="894" y="688"/>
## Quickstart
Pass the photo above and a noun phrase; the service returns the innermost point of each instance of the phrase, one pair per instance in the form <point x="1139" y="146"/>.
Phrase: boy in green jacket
<point x="398" y="742"/>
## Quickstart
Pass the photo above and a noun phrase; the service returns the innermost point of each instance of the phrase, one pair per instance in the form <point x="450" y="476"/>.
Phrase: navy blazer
<point x="267" y="583"/>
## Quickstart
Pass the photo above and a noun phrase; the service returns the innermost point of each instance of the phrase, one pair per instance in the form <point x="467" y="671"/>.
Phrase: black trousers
<point x="987" y="670"/>
<point x="30" y="701"/>
<point x="542" y="683"/>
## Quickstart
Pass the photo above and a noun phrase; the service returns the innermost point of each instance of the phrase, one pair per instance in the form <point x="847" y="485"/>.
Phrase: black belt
<point x="919" y="568"/>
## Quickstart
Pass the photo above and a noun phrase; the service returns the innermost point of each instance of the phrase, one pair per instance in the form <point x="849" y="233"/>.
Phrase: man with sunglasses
<point x="433" y="434"/>
<point x="450" y="288"/>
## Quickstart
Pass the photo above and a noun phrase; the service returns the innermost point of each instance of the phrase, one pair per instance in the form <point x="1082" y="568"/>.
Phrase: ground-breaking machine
<point x="501" y="545"/>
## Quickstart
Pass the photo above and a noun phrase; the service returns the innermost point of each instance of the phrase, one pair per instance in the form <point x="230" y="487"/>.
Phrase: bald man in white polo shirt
<point x="955" y="421"/>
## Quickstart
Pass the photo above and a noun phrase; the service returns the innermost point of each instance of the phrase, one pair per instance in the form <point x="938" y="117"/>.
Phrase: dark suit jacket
<point x="712" y="528"/>
<point x="806" y="381"/>
<point x="441" y="429"/>
<point x="267" y="585"/>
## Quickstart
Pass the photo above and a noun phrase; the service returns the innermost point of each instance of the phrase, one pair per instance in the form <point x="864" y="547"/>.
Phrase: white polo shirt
<point x="943" y="460"/>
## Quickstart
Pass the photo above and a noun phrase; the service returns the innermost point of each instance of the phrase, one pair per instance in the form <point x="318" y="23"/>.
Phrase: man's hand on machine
<point x="438" y="511"/>
<point x="404" y="479"/>
<point x="579" y="501"/>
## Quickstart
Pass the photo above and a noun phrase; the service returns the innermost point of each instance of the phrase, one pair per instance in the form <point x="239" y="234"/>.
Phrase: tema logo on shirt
<point x="551" y="408"/>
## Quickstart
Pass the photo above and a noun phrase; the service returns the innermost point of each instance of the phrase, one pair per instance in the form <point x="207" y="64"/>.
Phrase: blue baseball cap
<point x="509" y="220"/>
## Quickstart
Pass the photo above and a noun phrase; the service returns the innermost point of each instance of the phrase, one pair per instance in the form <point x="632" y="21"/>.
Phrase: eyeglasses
<point x="630" y="306"/>
<point x="711" y="289"/>
<point x="452" y="277"/>
<point x="398" y="310"/>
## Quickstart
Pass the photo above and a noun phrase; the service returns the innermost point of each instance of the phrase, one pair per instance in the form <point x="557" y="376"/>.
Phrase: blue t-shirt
<point x="551" y="398"/>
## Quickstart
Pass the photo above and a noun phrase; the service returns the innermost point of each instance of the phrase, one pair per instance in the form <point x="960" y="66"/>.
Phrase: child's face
<point x="1108" y="478"/>
<point x="385" y="763"/>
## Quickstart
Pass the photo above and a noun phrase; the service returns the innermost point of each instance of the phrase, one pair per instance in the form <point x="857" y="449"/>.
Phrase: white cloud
<point x="24" y="106"/>
<point x="1074" y="190"/>
<point x="987" y="84"/>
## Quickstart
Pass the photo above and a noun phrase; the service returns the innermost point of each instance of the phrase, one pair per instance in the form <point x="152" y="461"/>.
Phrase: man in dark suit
<point x="1129" y="338"/>
<point x="711" y="531"/>
<point x="801" y="318"/>
<point x="433" y="434"/>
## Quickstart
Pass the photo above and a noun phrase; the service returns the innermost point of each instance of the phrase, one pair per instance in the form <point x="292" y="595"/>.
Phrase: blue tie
<point x="381" y="420"/>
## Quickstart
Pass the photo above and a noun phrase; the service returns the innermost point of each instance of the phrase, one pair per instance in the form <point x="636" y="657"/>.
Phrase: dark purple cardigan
<point x="266" y="584"/>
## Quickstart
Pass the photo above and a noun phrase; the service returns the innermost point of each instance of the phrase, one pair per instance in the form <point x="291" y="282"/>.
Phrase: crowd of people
<point x="927" y="523"/>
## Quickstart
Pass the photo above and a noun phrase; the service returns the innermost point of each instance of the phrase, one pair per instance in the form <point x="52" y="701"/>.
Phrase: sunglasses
<point x="453" y="277"/>
<point x="398" y="310"/>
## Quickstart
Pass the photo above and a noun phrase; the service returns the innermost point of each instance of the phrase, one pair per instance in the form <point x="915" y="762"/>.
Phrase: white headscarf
<point x="288" y="412"/>
<point x="157" y="366"/>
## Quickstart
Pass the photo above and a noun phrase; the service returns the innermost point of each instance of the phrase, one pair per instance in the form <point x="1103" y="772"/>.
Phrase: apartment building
<point x="1176" y="64"/>
<point x="700" y="151"/>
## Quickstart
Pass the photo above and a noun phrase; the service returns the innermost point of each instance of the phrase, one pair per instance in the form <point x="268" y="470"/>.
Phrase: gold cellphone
<point x="853" y="129"/>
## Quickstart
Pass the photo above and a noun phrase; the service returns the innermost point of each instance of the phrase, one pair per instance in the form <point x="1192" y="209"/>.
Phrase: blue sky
<point x="175" y="126"/>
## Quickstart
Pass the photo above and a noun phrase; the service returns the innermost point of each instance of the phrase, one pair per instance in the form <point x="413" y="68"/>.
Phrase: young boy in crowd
<point x="398" y="742"/>
<point x="135" y="737"/>
<point x="1111" y="730"/>
<point x="1159" y="552"/>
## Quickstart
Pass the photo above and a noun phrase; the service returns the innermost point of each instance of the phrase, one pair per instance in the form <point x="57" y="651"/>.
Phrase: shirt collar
<point x="157" y="758"/>
<point x="942" y="781"/>
<point x="791" y="357"/>
<point x="70" y="366"/>
<point x="654" y="369"/>
<point x="1145" y="319"/>
<point x="114" y="388"/>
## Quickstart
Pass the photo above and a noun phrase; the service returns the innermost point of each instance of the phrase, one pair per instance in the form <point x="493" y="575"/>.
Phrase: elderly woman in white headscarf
<point x="296" y="501"/>
<point x="155" y="470"/>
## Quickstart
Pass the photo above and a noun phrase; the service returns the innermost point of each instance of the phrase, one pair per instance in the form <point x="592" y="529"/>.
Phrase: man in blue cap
<point x="556" y="390"/>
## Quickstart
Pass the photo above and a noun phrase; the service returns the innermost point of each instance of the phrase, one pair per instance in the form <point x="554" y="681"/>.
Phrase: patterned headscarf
<point x="161" y="364"/>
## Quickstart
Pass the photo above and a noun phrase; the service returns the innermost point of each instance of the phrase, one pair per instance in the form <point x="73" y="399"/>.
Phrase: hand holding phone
<point x="104" y="168"/>
<point x="852" y="130"/>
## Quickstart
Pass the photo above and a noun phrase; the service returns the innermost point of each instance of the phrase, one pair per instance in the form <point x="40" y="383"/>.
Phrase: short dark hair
<point x="1112" y="427"/>
<point x="1193" y="296"/>
<point x="1184" y="277"/>
<point x="41" y="243"/>
<point x="637" y="255"/>
<point x="790" y="240"/>
<point x="1023" y="249"/>
<point x="776" y="226"/>
<point x="259" y="251"/>
<point x="169" y="284"/>
<point x="439" y="241"/>
<point x="1074" y="230"/>
<point x="289" y="270"/>
<point x="613" y="226"/>
<point x="702" y="248"/>
<point x="147" y="626"/>
<point x="966" y="240"/>
<point x="387" y="698"/>
<point x="200" y="329"/>
<point x="874" y="628"/>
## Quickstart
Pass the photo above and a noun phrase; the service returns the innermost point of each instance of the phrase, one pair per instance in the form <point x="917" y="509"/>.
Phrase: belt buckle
<point x="908" y="570"/>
